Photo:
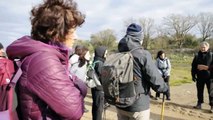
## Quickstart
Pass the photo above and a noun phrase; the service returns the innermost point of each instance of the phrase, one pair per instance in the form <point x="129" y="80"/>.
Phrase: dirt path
<point x="183" y="98"/>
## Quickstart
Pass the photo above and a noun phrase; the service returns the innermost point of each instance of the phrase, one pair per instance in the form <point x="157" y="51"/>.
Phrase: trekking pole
<point x="162" y="108"/>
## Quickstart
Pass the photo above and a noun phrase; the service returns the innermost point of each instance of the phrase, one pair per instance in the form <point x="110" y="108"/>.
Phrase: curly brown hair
<point x="52" y="20"/>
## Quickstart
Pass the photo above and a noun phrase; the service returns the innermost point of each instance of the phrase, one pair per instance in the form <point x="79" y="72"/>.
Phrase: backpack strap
<point x="11" y="96"/>
<point x="93" y="64"/>
<point x="17" y="75"/>
<point x="135" y="49"/>
<point x="71" y="55"/>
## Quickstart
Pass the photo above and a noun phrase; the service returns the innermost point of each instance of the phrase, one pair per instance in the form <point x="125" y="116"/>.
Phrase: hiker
<point x="164" y="67"/>
<point x="144" y="70"/>
<point x="74" y="55"/>
<point x="201" y="74"/>
<point x="97" y="92"/>
<point x="79" y="62"/>
<point x="45" y="89"/>
<point x="6" y="95"/>
<point x="5" y="67"/>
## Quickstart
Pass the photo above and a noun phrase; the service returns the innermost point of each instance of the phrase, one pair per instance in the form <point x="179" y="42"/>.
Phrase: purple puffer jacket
<point x="45" y="88"/>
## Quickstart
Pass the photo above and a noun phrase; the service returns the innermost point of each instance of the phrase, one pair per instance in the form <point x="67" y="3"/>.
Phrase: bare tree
<point x="147" y="28"/>
<point x="178" y="26"/>
<point x="205" y="25"/>
<point x="106" y="38"/>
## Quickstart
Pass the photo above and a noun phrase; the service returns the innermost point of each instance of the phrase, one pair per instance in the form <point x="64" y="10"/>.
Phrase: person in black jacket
<point x="97" y="92"/>
<point x="201" y="73"/>
<point x="144" y="70"/>
<point x="211" y="86"/>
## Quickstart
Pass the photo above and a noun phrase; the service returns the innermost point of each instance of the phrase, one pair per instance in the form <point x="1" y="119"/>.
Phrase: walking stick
<point x="162" y="108"/>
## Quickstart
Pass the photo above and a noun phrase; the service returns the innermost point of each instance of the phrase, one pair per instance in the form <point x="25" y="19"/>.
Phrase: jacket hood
<point x="26" y="46"/>
<point x="132" y="39"/>
<point x="129" y="42"/>
<point x="100" y="51"/>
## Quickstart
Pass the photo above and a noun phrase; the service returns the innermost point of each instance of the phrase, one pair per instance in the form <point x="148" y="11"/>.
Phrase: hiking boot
<point x="151" y="96"/>
<point x="198" y="106"/>
<point x="106" y="105"/>
<point x="168" y="99"/>
<point x="211" y="110"/>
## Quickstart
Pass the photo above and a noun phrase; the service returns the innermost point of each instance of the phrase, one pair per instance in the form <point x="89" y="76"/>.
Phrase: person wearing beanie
<point x="134" y="28"/>
<point x="144" y="70"/>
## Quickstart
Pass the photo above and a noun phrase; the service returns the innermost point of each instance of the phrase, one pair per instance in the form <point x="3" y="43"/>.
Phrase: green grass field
<point x="181" y="69"/>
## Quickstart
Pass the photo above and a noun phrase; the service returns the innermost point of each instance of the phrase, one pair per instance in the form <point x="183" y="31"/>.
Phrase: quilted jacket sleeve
<point x="49" y="80"/>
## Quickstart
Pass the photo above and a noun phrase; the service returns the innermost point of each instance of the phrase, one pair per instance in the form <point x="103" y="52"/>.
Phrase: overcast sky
<point x="100" y="14"/>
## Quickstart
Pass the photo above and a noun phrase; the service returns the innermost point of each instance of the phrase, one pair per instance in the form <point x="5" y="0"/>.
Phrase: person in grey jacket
<point x="145" y="70"/>
<point x="164" y="67"/>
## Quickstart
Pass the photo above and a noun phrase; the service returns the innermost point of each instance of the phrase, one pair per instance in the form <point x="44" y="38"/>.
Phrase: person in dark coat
<point x="146" y="72"/>
<point x="97" y="92"/>
<point x="46" y="90"/>
<point x="211" y="86"/>
<point x="201" y="73"/>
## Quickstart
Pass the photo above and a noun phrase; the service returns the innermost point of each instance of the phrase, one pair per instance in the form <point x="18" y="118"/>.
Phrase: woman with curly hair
<point x="45" y="89"/>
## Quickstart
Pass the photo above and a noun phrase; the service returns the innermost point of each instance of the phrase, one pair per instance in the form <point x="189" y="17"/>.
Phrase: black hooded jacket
<point x="99" y="56"/>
